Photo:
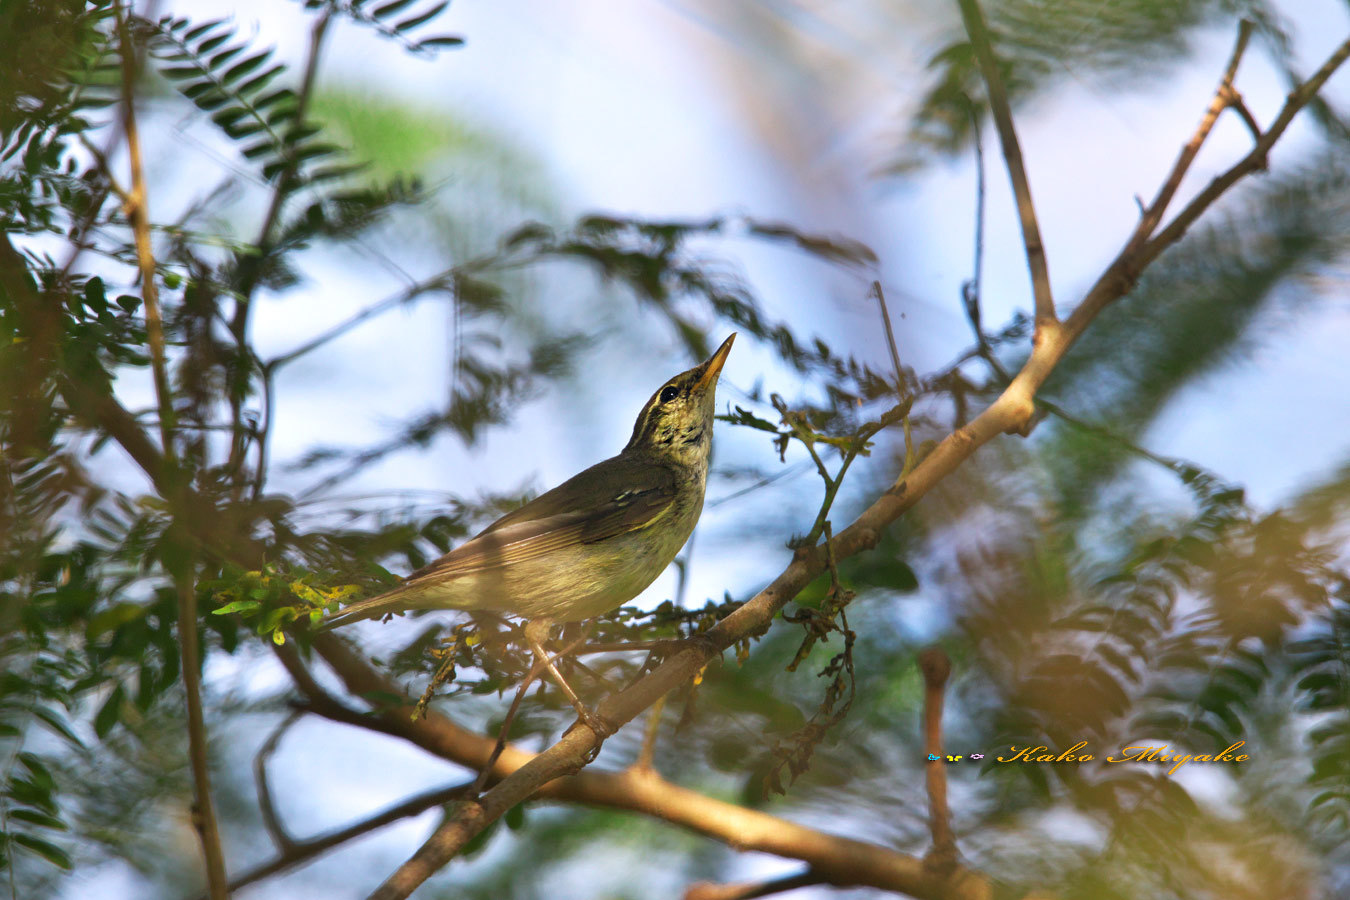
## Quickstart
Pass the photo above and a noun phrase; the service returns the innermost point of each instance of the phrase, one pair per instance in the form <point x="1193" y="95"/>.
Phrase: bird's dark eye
<point x="669" y="393"/>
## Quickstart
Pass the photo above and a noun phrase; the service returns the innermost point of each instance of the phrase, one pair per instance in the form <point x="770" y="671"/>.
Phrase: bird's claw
<point x="598" y="725"/>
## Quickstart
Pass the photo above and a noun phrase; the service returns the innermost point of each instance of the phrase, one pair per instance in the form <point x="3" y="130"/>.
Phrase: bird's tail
<point x="395" y="601"/>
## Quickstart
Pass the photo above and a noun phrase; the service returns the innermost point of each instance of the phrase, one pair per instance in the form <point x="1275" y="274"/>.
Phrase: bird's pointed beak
<point x="713" y="367"/>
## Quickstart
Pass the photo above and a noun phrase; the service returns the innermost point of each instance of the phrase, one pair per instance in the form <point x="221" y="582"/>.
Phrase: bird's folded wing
<point x="563" y="517"/>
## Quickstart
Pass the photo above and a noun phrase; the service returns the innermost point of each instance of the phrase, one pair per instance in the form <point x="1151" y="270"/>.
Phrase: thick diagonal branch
<point x="839" y="860"/>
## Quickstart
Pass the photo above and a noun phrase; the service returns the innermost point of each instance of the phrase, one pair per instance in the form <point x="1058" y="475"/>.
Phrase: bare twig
<point x="252" y="267"/>
<point x="272" y="821"/>
<point x="301" y="852"/>
<point x="1012" y="154"/>
<point x="440" y="281"/>
<point x="704" y="890"/>
<point x="1172" y="464"/>
<point x="203" y="809"/>
<point x="1254" y="161"/>
<point x="971" y="291"/>
<point x="1224" y="97"/>
<point x="901" y="389"/>
<point x="936" y="668"/>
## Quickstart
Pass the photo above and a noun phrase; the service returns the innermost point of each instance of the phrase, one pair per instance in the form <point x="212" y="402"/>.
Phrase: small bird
<point x="592" y="543"/>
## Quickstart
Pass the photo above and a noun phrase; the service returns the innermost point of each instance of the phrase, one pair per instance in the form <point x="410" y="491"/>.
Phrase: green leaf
<point x="57" y="725"/>
<point x="34" y="817"/>
<point x="114" y="617"/>
<point x="236" y="606"/>
<point x="390" y="9"/>
<point x="47" y="850"/>
<point x="423" y="17"/>
<point x="444" y="40"/>
<point x="95" y="296"/>
<point x="110" y="712"/>
<point x="41" y="775"/>
<point x="239" y="70"/>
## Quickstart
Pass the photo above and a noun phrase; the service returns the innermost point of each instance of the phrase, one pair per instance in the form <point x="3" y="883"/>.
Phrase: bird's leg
<point x="536" y="631"/>
<point x="486" y="772"/>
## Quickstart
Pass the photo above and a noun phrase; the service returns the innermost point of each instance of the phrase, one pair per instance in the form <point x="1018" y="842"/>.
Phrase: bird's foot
<point x="598" y="725"/>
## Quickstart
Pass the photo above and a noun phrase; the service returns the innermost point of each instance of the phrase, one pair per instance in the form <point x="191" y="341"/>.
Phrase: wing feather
<point x="577" y="511"/>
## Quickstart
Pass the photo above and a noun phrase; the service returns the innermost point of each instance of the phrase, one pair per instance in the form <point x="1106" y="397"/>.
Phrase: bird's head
<point x="677" y="421"/>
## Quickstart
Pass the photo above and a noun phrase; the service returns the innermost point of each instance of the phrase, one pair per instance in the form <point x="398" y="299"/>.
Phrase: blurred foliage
<point x="1197" y="625"/>
<point x="1041" y="42"/>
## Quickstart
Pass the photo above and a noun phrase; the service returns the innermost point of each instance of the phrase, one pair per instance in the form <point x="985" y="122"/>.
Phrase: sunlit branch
<point x="1224" y="97"/>
<point x="642" y="791"/>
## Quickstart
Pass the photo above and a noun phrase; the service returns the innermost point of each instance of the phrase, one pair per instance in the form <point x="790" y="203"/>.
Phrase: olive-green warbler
<point x="592" y="543"/>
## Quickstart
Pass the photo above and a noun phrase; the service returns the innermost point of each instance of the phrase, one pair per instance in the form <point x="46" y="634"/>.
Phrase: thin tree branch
<point x="251" y="268"/>
<point x="317" y="33"/>
<point x="134" y="205"/>
<point x="1224" y="97"/>
<point x="1012" y="154"/>
<point x="1254" y="161"/>
<point x="1009" y="413"/>
<point x="971" y="291"/>
<point x="936" y="668"/>
<point x="436" y="282"/>
<point x="704" y="890"/>
<point x="204" y="815"/>
<point x="301" y="852"/>
<point x="901" y="389"/>
<point x="79" y="233"/>
<point x="271" y="820"/>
